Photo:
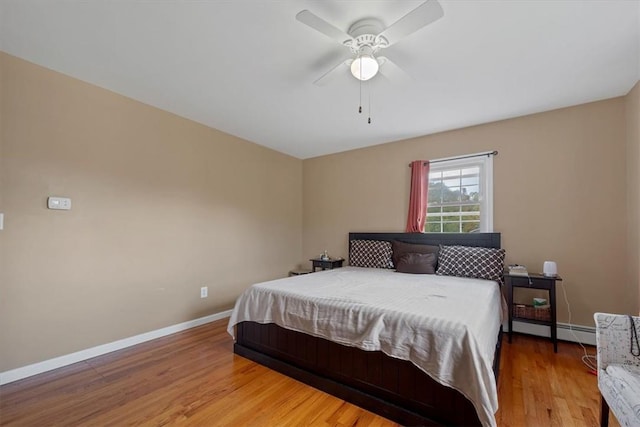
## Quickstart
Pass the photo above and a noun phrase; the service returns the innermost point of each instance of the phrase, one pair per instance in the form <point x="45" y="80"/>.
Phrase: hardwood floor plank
<point x="193" y="378"/>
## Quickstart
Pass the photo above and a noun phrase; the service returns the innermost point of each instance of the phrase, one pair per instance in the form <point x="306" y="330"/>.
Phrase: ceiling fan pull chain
<point x="369" y="87"/>
<point x="360" y="107"/>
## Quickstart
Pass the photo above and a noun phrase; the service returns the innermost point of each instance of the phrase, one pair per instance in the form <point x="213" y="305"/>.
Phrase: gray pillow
<point x="401" y="248"/>
<point x="416" y="263"/>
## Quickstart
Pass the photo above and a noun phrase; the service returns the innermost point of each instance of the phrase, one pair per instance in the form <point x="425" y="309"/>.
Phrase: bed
<point x="406" y="374"/>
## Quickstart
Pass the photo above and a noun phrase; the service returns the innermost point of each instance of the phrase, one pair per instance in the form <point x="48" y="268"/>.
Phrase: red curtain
<point x="418" y="198"/>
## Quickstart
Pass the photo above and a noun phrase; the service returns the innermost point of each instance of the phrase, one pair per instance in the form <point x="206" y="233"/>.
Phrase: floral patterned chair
<point x="618" y="367"/>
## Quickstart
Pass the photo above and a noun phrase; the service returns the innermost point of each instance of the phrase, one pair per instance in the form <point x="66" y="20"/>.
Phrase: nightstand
<point x="299" y="272"/>
<point x="528" y="314"/>
<point x="328" y="264"/>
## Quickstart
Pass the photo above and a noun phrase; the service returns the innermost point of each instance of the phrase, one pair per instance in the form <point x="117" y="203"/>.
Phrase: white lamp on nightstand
<point x="550" y="269"/>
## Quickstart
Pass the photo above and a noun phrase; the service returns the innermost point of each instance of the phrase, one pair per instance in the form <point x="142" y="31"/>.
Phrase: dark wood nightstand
<point x="299" y="272"/>
<point x="528" y="314"/>
<point x="324" y="264"/>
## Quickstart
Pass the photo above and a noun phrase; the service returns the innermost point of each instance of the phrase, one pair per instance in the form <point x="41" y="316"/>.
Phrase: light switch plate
<point x="63" y="203"/>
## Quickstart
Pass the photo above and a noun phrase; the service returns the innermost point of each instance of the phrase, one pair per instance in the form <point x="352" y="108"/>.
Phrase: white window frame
<point x="485" y="162"/>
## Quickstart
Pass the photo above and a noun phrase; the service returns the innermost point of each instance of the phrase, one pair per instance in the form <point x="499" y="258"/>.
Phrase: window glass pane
<point x="451" y="173"/>
<point x="470" y="189"/>
<point x="435" y="195"/>
<point x="435" y="175"/>
<point x="451" y="218"/>
<point x="471" y="227"/>
<point x="471" y="208"/>
<point x="433" y="227"/>
<point x="470" y="193"/>
<point x="451" y="209"/>
<point x="451" y="195"/>
<point x="432" y="209"/>
<point x="471" y="180"/>
<point x="451" y="227"/>
<point x="451" y="182"/>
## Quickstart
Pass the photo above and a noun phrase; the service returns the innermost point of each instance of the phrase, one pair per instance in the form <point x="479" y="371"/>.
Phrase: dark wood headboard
<point x="486" y="240"/>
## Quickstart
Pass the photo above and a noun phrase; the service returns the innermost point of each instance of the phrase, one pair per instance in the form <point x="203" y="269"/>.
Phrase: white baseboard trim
<point x="79" y="356"/>
<point x="566" y="332"/>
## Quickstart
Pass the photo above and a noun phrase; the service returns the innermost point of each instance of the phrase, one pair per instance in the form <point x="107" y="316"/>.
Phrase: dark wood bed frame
<point x="393" y="388"/>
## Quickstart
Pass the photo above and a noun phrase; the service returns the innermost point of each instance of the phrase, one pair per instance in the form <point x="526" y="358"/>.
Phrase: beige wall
<point x="161" y="207"/>
<point x="559" y="190"/>
<point x="633" y="191"/>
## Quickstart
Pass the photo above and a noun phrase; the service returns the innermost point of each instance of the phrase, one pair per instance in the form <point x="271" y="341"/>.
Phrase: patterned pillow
<point x="468" y="261"/>
<point x="370" y="253"/>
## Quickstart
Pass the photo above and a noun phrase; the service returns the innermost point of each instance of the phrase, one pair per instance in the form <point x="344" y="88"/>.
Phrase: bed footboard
<point x="392" y="388"/>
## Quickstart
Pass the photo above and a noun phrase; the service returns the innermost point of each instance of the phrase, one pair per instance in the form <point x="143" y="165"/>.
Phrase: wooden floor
<point x="193" y="378"/>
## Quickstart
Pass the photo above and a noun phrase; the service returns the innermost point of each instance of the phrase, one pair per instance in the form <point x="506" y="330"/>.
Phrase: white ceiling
<point x="247" y="67"/>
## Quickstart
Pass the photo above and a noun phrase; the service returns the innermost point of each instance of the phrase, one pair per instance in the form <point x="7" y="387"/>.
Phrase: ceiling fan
<point x="366" y="37"/>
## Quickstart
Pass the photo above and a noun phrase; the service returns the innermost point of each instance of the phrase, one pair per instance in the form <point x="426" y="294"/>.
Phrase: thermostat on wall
<point x="59" y="203"/>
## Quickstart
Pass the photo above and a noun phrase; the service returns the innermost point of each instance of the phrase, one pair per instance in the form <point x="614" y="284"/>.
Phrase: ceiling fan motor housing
<point x="365" y="33"/>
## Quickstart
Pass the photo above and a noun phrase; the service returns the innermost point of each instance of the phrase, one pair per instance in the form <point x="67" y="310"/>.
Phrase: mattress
<point x="446" y="326"/>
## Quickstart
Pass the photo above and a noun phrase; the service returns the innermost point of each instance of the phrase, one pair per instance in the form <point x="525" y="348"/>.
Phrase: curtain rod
<point x="488" y="153"/>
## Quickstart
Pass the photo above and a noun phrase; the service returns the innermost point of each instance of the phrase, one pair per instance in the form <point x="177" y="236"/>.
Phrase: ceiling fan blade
<point x="423" y="15"/>
<point x="391" y="71"/>
<point x="324" y="27"/>
<point x="329" y="75"/>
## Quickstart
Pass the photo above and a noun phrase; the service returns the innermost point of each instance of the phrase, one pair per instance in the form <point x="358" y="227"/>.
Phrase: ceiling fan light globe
<point x="364" y="67"/>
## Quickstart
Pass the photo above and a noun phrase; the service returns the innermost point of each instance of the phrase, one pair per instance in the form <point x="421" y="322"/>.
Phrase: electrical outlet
<point x="204" y="292"/>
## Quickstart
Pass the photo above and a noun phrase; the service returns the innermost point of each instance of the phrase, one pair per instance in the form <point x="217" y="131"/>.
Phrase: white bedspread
<point x="446" y="326"/>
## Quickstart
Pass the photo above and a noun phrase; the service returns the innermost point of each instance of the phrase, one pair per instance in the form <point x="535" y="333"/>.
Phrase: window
<point x="460" y="195"/>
